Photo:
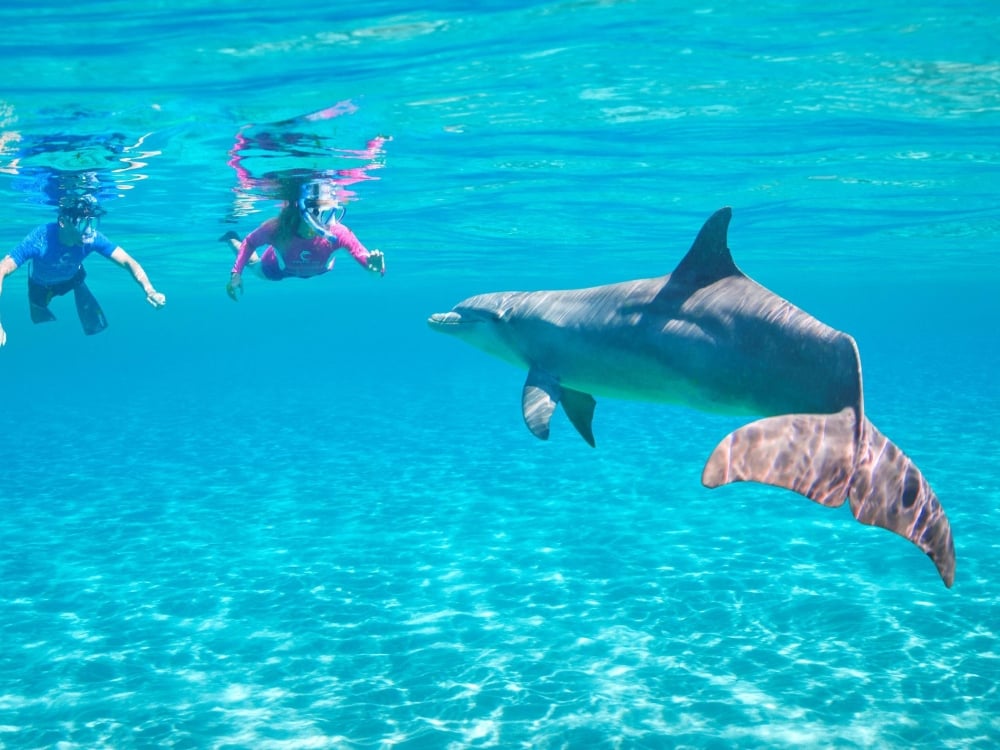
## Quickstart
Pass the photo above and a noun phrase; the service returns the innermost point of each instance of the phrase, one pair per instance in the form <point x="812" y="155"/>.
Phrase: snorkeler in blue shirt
<point x="56" y="251"/>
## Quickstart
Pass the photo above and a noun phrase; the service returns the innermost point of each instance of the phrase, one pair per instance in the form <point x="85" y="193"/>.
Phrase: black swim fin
<point x="91" y="316"/>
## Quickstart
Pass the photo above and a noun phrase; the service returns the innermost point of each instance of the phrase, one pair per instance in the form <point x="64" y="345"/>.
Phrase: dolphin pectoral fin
<point x="539" y="397"/>
<point x="888" y="490"/>
<point x="579" y="407"/>
<point x="542" y="392"/>
<point x="812" y="454"/>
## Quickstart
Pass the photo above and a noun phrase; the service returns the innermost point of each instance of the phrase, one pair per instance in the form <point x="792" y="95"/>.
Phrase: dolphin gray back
<point x="748" y="333"/>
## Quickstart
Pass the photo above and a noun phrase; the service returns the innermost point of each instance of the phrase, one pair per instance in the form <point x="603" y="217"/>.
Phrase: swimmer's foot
<point x="229" y="236"/>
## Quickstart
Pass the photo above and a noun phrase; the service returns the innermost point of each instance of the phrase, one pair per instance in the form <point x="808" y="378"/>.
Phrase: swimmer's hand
<point x="235" y="285"/>
<point x="376" y="262"/>
<point x="3" y="336"/>
<point x="156" y="299"/>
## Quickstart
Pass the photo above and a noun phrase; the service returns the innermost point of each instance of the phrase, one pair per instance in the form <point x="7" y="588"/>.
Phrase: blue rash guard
<point x="52" y="261"/>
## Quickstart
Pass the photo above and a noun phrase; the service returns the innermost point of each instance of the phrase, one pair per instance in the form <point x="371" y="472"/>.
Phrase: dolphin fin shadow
<point x="539" y="397"/>
<point x="827" y="459"/>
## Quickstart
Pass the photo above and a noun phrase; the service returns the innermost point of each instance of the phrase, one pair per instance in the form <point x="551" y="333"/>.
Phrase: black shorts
<point x="87" y="308"/>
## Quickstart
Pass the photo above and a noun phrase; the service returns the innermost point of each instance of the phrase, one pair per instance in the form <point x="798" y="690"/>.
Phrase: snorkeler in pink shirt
<point x="301" y="241"/>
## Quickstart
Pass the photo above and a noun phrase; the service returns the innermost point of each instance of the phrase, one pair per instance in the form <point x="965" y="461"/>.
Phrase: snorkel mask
<point x="84" y="215"/>
<point x="318" y="205"/>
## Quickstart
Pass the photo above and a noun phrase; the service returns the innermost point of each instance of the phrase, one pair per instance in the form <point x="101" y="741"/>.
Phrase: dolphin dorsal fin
<point x="709" y="258"/>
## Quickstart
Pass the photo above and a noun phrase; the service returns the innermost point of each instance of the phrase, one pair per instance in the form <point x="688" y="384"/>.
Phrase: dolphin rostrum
<point x="709" y="337"/>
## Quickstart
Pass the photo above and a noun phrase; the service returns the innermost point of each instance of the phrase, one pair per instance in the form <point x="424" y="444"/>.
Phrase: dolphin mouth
<point x="444" y="319"/>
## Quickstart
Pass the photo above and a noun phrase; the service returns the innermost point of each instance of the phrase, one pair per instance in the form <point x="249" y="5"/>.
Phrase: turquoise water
<point x="305" y="520"/>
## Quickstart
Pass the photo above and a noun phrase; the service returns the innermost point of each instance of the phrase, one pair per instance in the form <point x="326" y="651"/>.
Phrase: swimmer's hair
<point x="78" y="206"/>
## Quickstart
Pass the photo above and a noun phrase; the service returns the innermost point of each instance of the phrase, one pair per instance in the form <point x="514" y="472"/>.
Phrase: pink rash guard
<point x="302" y="257"/>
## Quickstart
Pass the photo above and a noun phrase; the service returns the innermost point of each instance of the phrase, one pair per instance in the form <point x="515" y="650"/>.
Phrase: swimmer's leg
<point x="38" y="300"/>
<point x="91" y="316"/>
<point x="233" y="240"/>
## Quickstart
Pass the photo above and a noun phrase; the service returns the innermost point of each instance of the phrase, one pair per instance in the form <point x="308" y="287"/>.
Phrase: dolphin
<point x="708" y="337"/>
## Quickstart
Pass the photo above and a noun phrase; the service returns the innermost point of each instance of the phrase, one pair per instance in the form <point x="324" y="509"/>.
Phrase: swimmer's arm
<point x="262" y="235"/>
<point x="234" y="287"/>
<point x="7" y="267"/>
<point x="123" y="259"/>
<point x="243" y="255"/>
<point x="373" y="260"/>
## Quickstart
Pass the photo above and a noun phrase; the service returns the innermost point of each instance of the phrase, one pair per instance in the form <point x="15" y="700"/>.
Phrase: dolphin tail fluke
<point x="812" y="454"/>
<point x="888" y="490"/>
<point x="827" y="459"/>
